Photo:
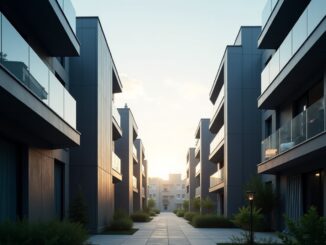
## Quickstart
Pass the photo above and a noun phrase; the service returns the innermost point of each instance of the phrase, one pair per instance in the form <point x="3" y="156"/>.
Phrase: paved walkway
<point x="167" y="228"/>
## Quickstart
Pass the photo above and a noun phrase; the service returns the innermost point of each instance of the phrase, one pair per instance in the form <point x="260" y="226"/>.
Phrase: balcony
<point x="143" y="170"/>
<point x="134" y="184"/>
<point x="216" y="144"/>
<point x="278" y="17"/>
<point x="134" y="153"/>
<point x="30" y="75"/>
<point x="198" y="192"/>
<point x="116" y="167"/>
<point x="292" y="60"/>
<point x="216" y="180"/>
<point x="143" y="193"/>
<point x="197" y="149"/>
<point x="299" y="131"/>
<point x="198" y="169"/>
<point x="52" y="22"/>
<point x="116" y="121"/>
<point x="217" y="118"/>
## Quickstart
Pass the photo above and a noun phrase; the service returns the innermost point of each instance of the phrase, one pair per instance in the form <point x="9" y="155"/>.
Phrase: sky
<point x="167" y="53"/>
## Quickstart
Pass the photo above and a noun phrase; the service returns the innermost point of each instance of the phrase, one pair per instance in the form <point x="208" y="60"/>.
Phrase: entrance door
<point x="8" y="180"/>
<point x="313" y="191"/>
<point x="59" y="189"/>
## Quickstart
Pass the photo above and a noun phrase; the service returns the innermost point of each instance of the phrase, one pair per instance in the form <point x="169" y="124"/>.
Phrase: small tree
<point x="78" y="209"/>
<point x="185" y="205"/>
<point x="208" y="204"/>
<point x="196" y="204"/>
<point x="151" y="203"/>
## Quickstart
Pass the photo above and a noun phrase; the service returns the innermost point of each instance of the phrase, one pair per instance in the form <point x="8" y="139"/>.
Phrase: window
<point x="183" y="195"/>
<point x="178" y="196"/>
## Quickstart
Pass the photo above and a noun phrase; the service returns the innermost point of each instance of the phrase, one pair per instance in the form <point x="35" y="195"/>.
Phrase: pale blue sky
<point x="167" y="53"/>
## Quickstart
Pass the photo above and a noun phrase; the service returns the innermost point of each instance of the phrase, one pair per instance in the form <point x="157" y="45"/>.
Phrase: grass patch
<point x="115" y="232"/>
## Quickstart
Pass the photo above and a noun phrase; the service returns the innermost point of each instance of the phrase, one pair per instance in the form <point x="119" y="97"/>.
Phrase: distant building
<point x="168" y="194"/>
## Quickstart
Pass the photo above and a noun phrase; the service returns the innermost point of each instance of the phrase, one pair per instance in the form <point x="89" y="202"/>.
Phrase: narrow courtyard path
<point x="167" y="228"/>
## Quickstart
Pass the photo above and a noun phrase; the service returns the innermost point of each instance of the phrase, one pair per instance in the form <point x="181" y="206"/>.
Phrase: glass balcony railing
<point x="116" y="163"/>
<point x="267" y="11"/>
<point x="134" y="151"/>
<point x="218" y="102"/>
<point x="198" y="168"/>
<point x="116" y="115"/>
<point x="301" y="128"/>
<point x="24" y="63"/>
<point x="197" y="191"/>
<point x="217" y="140"/>
<point x="217" y="178"/>
<point x="69" y="11"/>
<point x="134" y="182"/>
<point x="308" y="21"/>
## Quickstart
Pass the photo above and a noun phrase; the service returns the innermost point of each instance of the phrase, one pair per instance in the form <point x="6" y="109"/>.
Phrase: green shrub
<point x="120" y="214"/>
<point x="151" y="203"/>
<point x="140" y="217"/>
<point x="242" y="219"/>
<point x="180" y="213"/>
<point x="196" y="203"/>
<point x="157" y="211"/>
<point x="175" y="211"/>
<point x="122" y="224"/>
<point x="207" y="205"/>
<point x="50" y="233"/>
<point x="78" y="209"/>
<point x="189" y="215"/>
<point x="309" y="230"/>
<point x="185" y="205"/>
<point x="152" y="213"/>
<point x="211" y="221"/>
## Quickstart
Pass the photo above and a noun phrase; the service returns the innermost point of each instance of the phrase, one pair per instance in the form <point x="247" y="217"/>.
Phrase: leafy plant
<point x="185" y="205"/>
<point x="211" y="221"/>
<point x="157" y="211"/>
<point x="190" y="215"/>
<point x="309" y="230"/>
<point x="180" y="213"/>
<point x="151" y="203"/>
<point x="196" y="204"/>
<point x="242" y="218"/>
<point x="140" y="216"/>
<point x="122" y="224"/>
<point x="78" y="209"/>
<point x="42" y="233"/>
<point x="207" y="205"/>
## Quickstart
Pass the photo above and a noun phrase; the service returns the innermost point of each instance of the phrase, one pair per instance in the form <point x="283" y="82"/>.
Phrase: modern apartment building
<point x="293" y="88"/>
<point x="38" y="114"/>
<point x="235" y="121"/>
<point x="168" y="194"/>
<point x="140" y="172"/>
<point x="190" y="176"/>
<point x="127" y="190"/>
<point x="95" y="166"/>
<point x="204" y="168"/>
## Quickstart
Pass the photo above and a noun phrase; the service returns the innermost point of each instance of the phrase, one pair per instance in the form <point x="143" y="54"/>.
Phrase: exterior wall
<point x="91" y="84"/>
<point x="191" y="188"/>
<point x="242" y="118"/>
<point x="169" y="194"/>
<point x="124" y="194"/>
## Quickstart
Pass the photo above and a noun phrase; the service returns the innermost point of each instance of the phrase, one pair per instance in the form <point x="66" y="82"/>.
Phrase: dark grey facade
<point x="235" y="121"/>
<point x="128" y="188"/>
<point x="204" y="168"/>
<point x="190" y="176"/>
<point x="94" y="165"/>
<point x="38" y="122"/>
<point x="293" y="86"/>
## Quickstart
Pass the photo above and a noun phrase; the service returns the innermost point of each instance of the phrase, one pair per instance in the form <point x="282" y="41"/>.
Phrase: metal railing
<point x="217" y="178"/>
<point x="306" y="24"/>
<point x="217" y="140"/>
<point x="301" y="128"/>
